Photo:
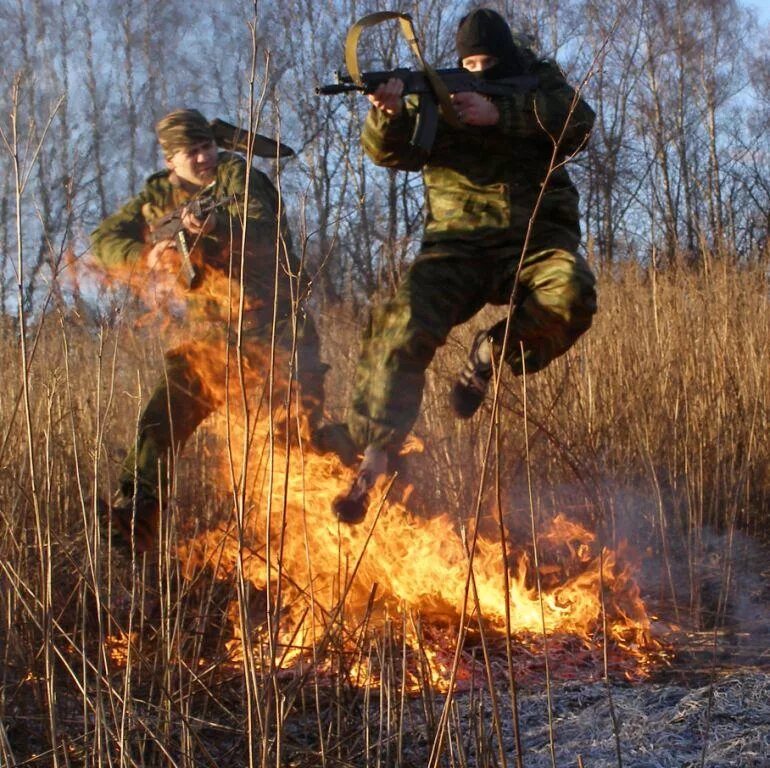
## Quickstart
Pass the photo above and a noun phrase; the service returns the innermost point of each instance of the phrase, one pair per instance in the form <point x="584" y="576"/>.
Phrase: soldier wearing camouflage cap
<point x="181" y="399"/>
<point x="483" y="181"/>
<point x="182" y="129"/>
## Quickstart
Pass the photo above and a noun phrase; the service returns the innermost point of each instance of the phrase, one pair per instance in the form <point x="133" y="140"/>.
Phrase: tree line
<point x="677" y="167"/>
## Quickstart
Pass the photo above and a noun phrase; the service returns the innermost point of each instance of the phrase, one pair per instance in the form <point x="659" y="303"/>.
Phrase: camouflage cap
<point x="182" y="128"/>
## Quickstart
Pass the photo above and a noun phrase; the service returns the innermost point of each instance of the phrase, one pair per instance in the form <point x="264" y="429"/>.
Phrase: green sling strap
<point x="407" y="30"/>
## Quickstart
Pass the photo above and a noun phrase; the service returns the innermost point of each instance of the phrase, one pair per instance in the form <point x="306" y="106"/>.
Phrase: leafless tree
<point x="677" y="162"/>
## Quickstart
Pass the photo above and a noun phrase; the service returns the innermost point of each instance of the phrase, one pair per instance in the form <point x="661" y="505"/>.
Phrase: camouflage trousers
<point x="182" y="399"/>
<point x="555" y="301"/>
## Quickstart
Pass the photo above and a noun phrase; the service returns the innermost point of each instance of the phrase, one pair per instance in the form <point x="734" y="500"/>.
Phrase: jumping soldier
<point x="482" y="180"/>
<point x="181" y="399"/>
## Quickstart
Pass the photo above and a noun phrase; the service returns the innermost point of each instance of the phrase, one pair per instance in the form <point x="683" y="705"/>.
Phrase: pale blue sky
<point x="762" y="7"/>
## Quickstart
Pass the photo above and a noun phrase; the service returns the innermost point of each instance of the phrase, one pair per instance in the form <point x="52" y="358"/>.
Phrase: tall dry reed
<point x="654" y="426"/>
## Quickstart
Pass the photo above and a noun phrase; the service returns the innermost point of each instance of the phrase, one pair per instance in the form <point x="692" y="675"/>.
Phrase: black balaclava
<point x="486" y="32"/>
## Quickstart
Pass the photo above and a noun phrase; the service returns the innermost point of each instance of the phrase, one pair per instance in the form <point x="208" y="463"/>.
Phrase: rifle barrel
<point x="334" y="88"/>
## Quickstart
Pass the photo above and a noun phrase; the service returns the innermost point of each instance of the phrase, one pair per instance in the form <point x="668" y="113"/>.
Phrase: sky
<point x="762" y="7"/>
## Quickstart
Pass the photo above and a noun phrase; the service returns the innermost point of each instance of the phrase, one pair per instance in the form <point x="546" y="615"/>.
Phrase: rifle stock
<point x="232" y="137"/>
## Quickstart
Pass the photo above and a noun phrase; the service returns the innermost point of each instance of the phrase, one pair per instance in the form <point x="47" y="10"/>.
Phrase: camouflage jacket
<point x="482" y="183"/>
<point x="124" y="237"/>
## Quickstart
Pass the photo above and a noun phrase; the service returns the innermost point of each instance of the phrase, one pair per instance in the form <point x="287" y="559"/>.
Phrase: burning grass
<point x="263" y="630"/>
<point x="316" y="574"/>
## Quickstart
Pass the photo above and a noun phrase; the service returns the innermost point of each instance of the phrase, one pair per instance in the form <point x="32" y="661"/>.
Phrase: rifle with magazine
<point x="434" y="86"/>
<point x="429" y="87"/>
<point x="171" y="227"/>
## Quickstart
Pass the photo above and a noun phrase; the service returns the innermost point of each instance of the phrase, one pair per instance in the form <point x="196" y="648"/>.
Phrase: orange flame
<point x="395" y="561"/>
<point x="285" y="540"/>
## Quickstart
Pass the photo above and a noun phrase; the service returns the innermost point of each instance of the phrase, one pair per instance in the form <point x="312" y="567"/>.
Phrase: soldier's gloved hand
<point x="475" y="109"/>
<point x="163" y="255"/>
<point x="387" y="97"/>
<point x="196" y="226"/>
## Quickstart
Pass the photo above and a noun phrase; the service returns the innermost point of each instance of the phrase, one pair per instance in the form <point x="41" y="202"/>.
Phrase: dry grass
<point x="654" y="426"/>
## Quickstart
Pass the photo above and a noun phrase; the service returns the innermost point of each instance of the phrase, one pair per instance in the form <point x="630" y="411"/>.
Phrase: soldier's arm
<point x="121" y="238"/>
<point x="552" y="112"/>
<point x="260" y="217"/>
<point x="386" y="138"/>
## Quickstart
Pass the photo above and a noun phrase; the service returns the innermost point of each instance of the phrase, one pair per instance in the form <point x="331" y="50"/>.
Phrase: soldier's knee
<point x="567" y="286"/>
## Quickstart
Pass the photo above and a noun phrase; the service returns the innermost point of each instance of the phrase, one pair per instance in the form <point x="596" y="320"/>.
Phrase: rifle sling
<point x="407" y="30"/>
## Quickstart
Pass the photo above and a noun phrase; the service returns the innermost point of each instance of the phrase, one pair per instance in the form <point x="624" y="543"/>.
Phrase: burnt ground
<point x="708" y="705"/>
<point x="705" y="701"/>
<point x="668" y="724"/>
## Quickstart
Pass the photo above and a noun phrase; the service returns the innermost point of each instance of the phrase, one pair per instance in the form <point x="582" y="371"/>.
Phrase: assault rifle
<point x="454" y="80"/>
<point x="170" y="227"/>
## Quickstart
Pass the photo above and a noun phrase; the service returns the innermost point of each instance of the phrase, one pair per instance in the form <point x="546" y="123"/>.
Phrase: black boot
<point x="351" y="507"/>
<point x="134" y="521"/>
<point x="471" y="386"/>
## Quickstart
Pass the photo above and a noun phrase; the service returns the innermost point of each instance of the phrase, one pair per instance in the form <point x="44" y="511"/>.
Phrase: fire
<point x="286" y="542"/>
<point x="118" y="647"/>
<point x="396" y="562"/>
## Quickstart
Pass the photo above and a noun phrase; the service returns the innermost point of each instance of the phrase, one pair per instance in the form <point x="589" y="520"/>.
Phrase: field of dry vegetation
<point x="577" y="577"/>
<point x="653" y="429"/>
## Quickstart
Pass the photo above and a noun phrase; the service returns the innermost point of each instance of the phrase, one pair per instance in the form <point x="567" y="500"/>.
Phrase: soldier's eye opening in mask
<point x="479" y="62"/>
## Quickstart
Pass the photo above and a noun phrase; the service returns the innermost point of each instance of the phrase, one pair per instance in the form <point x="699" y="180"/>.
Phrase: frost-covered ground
<point x="666" y="725"/>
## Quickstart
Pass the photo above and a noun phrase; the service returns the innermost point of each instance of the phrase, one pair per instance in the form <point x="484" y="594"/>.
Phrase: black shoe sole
<point x="350" y="511"/>
<point x="144" y="529"/>
<point x="465" y="402"/>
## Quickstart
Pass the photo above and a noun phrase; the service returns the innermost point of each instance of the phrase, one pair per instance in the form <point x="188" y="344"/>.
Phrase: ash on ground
<point x="661" y="725"/>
